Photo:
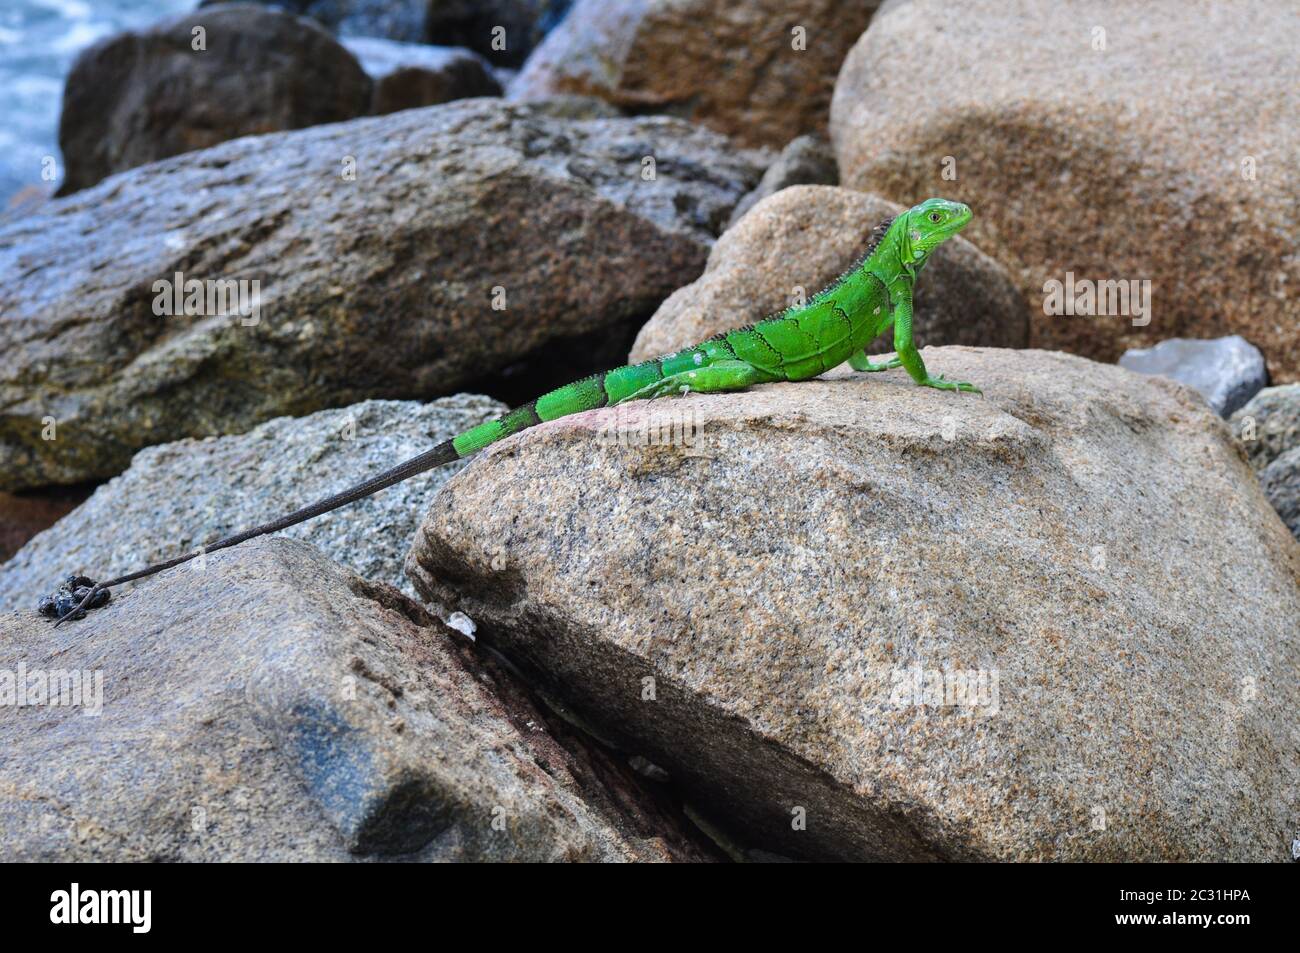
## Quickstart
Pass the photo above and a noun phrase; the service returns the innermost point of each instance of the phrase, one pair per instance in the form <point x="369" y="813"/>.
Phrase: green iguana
<point x="800" y="343"/>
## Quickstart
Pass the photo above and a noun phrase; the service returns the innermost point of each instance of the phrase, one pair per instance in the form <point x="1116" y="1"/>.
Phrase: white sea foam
<point x="38" y="41"/>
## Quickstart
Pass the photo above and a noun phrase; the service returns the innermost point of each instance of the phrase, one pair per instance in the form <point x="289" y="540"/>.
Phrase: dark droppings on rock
<point x="62" y="601"/>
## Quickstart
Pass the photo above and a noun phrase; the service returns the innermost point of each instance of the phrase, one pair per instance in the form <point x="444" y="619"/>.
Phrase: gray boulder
<point x="1227" y="371"/>
<point x="274" y="707"/>
<point x="1268" y="429"/>
<point x="410" y="75"/>
<point x="397" y="256"/>
<point x="1269" y="424"/>
<point x="859" y="619"/>
<point x="1281" y="483"/>
<point x="807" y="160"/>
<point x="137" y="97"/>
<point x="178" y="496"/>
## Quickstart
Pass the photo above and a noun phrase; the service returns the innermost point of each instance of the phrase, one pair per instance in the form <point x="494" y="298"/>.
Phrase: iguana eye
<point x="935" y="217"/>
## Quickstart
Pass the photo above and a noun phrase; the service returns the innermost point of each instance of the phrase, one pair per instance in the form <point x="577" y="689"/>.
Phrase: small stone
<point x="411" y="75"/>
<point x="1280" y="481"/>
<point x="462" y="624"/>
<point x="1269" y="424"/>
<point x="648" y="769"/>
<point x="1226" y="371"/>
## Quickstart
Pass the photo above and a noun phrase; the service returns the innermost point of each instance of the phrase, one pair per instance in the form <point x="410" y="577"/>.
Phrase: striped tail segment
<point x="622" y="384"/>
<point x="586" y="394"/>
<point x="599" y="390"/>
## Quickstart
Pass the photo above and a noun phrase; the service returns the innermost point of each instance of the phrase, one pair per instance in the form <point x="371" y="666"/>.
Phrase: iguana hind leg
<point x="860" y="362"/>
<point x="705" y="379"/>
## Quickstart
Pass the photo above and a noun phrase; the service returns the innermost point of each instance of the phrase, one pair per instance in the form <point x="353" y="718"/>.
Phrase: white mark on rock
<point x="462" y="624"/>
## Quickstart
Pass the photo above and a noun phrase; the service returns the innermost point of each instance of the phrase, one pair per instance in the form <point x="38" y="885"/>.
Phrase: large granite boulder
<point x="1098" y="142"/>
<point x="860" y="619"/>
<point x="275" y="706"/>
<point x="761" y="71"/>
<point x="178" y="496"/>
<point x="193" y="81"/>
<point x="396" y="256"/>
<point x="793" y="244"/>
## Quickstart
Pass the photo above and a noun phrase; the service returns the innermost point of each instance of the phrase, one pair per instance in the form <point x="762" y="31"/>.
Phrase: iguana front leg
<point x="908" y="355"/>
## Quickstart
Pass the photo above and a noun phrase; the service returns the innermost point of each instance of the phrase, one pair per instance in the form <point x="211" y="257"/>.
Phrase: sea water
<point x="39" y="39"/>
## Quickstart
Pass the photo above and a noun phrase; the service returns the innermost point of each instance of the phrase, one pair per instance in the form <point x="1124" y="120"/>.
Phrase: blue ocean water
<point x="38" y="41"/>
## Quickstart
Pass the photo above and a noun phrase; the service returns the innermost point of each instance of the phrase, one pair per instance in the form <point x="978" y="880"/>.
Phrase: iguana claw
<point x="940" y="383"/>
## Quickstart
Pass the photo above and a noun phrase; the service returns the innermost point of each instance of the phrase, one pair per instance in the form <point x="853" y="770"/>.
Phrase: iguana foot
<point x="940" y="383"/>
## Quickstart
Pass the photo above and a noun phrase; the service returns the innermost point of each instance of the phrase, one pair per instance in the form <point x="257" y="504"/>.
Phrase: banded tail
<point x="761" y="347"/>
<point x="598" y="390"/>
<point x="586" y="394"/>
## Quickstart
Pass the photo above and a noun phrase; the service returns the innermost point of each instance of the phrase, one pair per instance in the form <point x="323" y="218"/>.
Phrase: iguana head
<point x="933" y="222"/>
